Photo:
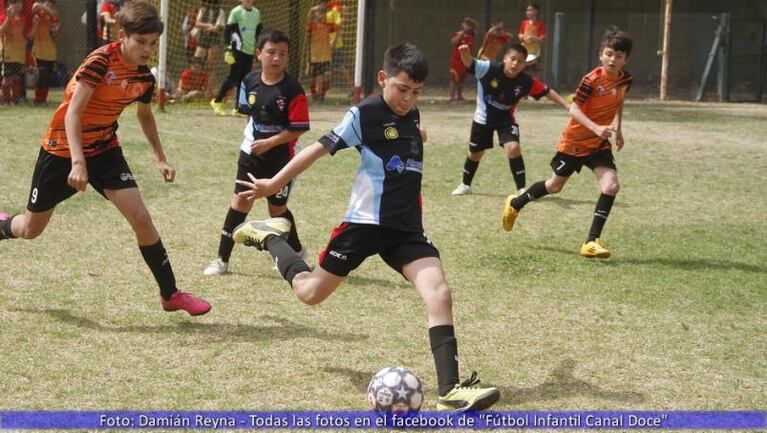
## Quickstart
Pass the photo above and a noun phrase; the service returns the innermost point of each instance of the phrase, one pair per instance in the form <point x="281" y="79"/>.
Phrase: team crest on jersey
<point x="252" y="99"/>
<point x="109" y="77"/>
<point x="280" y="103"/>
<point x="601" y="90"/>
<point x="391" y="133"/>
<point x="494" y="83"/>
<point x="517" y="90"/>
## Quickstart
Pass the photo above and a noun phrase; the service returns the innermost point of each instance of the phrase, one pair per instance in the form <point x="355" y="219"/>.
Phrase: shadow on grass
<point x="683" y="264"/>
<point x="567" y="203"/>
<point x="359" y="379"/>
<point x="562" y="383"/>
<point x="284" y="330"/>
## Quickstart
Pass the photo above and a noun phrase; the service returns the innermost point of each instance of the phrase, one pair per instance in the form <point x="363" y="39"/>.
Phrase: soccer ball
<point x="395" y="389"/>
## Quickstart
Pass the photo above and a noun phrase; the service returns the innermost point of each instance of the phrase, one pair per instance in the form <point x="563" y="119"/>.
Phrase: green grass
<point x="677" y="318"/>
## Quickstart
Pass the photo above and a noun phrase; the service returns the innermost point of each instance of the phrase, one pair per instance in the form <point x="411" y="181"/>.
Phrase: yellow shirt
<point x="44" y="47"/>
<point x="13" y="43"/>
<point x="334" y="17"/>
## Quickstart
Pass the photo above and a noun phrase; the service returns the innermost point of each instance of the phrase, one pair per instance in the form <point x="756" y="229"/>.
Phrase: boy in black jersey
<point x="278" y="112"/>
<point x="384" y="216"/>
<point x="501" y="86"/>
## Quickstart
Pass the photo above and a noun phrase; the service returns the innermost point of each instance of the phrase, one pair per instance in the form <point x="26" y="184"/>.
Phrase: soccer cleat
<point x="236" y="113"/>
<point x="254" y="233"/>
<point x="4" y="216"/>
<point x="216" y="267"/>
<point x="185" y="301"/>
<point x="218" y="107"/>
<point x="509" y="214"/>
<point x="468" y="396"/>
<point x="462" y="190"/>
<point x="595" y="249"/>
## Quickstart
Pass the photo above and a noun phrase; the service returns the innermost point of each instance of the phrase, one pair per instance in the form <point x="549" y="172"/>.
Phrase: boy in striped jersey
<point x="596" y="116"/>
<point x="80" y="146"/>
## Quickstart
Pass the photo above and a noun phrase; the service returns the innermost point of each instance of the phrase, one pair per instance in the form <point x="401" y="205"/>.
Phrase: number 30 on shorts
<point x="284" y="192"/>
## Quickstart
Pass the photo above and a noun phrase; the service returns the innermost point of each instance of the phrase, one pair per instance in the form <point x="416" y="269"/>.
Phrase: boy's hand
<point x="258" y="188"/>
<point x="168" y="172"/>
<point x="604" y="132"/>
<point x="464" y="49"/>
<point x="619" y="140"/>
<point x="260" y="147"/>
<point x="78" y="176"/>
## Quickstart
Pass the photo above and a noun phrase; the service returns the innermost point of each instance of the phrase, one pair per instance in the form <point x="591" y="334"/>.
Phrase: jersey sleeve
<point x="541" y="29"/>
<point x="479" y="68"/>
<point x="347" y="134"/>
<point x="234" y="17"/>
<point x="298" y="113"/>
<point x="538" y="89"/>
<point x="146" y="97"/>
<point x="584" y="91"/>
<point x="93" y="69"/>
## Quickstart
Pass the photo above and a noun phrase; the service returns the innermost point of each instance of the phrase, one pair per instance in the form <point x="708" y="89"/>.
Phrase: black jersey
<point x="272" y="109"/>
<point x="387" y="186"/>
<point x="498" y="95"/>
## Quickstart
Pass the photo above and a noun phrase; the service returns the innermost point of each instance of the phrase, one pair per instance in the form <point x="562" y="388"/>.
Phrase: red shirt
<point x="465" y="39"/>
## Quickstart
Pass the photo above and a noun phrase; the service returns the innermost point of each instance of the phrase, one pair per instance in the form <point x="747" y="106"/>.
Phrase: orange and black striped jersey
<point x="116" y="85"/>
<point x="598" y="96"/>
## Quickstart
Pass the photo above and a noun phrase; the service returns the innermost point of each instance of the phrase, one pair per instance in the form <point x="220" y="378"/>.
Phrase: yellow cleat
<point x="509" y="214"/>
<point x="254" y="233"/>
<point x="468" y="396"/>
<point x="595" y="249"/>
<point x="236" y="113"/>
<point x="218" y="107"/>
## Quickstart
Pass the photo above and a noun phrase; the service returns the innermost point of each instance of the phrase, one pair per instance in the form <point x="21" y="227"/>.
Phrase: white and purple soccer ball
<point x="396" y="390"/>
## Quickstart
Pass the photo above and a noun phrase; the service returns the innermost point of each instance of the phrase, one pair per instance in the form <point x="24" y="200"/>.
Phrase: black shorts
<point x="108" y="170"/>
<point x="565" y="165"/>
<point x="482" y="136"/>
<point x="350" y="244"/>
<point x="264" y="168"/>
<point x="320" y="68"/>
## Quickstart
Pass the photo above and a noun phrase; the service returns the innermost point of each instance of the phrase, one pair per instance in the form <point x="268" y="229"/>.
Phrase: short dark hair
<point x="273" y="36"/>
<point x="140" y="17"/>
<point x="406" y="58"/>
<point x="617" y="40"/>
<point x="518" y="48"/>
<point x="534" y="6"/>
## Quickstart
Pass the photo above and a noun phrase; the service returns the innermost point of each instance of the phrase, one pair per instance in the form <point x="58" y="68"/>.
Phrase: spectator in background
<point x="190" y="33"/>
<point x="192" y="84"/>
<point x="108" y="27"/>
<point x="532" y="32"/>
<point x="13" y="49"/>
<point x="495" y="39"/>
<point x="320" y="52"/>
<point x="43" y="34"/>
<point x="208" y="29"/>
<point x="465" y="36"/>
<point x="334" y="16"/>
<point x="242" y="29"/>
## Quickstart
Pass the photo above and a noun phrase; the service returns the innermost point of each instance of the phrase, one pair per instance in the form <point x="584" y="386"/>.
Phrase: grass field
<point x="676" y="319"/>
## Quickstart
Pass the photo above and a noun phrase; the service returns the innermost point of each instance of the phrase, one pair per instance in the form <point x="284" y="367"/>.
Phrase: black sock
<point x="293" y="240"/>
<point x="286" y="259"/>
<point x="226" y="244"/>
<point x="517" y="166"/>
<point x="5" y="229"/>
<point x="156" y="258"/>
<point x="469" y="169"/>
<point x="536" y="191"/>
<point x="444" y="347"/>
<point x="601" y="212"/>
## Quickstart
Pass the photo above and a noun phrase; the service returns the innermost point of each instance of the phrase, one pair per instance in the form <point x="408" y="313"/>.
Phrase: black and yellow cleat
<point x="509" y="214"/>
<point x="595" y="249"/>
<point x="468" y="396"/>
<point x="254" y="233"/>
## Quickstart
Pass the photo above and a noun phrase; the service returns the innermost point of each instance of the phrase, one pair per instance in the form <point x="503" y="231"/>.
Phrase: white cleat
<point x="216" y="267"/>
<point x="462" y="190"/>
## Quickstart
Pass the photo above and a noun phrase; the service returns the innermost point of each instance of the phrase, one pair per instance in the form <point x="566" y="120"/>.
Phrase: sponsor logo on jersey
<point x="391" y="133"/>
<point x="395" y="164"/>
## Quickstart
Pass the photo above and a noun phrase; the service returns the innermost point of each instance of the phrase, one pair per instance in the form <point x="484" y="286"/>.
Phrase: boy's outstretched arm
<point x="148" y="125"/>
<point x="78" y="175"/>
<point x="259" y="147"/>
<point x="556" y="97"/>
<point x="465" y="53"/>
<point x="266" y="187"/>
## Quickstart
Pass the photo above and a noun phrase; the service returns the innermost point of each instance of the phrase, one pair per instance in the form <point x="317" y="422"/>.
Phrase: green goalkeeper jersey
<point x="247" y="22"/>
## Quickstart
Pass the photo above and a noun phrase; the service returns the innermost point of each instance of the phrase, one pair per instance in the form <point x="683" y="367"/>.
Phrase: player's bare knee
<point x="611" y="188"/>
<point x="141" y="219"/>
<point x="30" y="232"/>
<point x="476" y="156"/>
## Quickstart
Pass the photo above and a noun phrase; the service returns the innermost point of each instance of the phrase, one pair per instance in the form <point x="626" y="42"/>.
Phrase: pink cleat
<point x="187" y="302"/>
<point x="4" y="216"/>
